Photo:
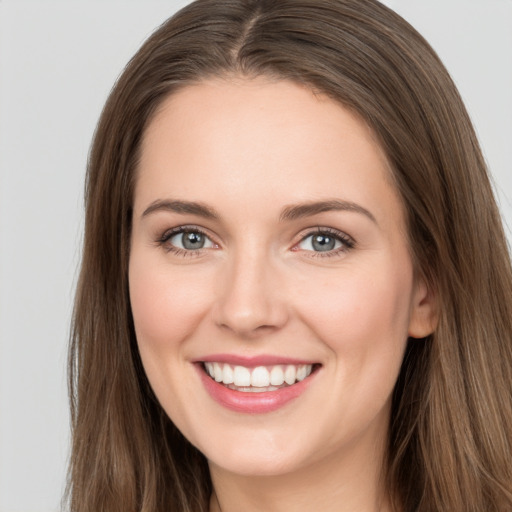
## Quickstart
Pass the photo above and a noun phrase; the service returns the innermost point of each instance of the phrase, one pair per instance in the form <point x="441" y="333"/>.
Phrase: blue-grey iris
<point x="193" y="240"/>
<point x="323" y="243"/>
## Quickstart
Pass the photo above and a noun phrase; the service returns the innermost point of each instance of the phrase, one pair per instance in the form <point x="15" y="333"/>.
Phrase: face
<point x="270" y="278"/>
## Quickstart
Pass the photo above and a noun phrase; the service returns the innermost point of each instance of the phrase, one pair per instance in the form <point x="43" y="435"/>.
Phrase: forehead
<point x="260" y="139"/>
<point x="257" y="108"/>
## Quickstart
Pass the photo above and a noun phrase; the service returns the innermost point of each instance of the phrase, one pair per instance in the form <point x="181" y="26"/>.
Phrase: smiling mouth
<point x="259" y="379"/>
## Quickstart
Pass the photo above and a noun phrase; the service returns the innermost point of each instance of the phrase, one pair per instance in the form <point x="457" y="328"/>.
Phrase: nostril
<point x="248" y="302"/>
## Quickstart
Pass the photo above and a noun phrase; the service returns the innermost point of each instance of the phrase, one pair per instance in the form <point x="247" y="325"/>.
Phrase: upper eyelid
<point x="327" y="230"/>
<point x="168" y="233"/>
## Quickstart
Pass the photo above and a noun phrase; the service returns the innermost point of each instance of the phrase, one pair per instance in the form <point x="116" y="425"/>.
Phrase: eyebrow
<point x="299" y="211"/>
<point x="289" y="213"/>
<point x="190" y="207"/>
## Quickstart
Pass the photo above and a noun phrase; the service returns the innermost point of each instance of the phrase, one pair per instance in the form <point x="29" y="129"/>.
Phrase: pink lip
<point x="253" y="403"/>
<point x="251" y="361"/>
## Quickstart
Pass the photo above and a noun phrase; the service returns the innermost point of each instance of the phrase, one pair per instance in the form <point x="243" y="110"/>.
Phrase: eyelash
<point x="347" y="243"/>
<point x="163" y="241"/>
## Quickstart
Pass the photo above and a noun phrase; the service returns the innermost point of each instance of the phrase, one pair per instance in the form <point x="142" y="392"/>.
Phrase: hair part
<point x="450" y="440"/>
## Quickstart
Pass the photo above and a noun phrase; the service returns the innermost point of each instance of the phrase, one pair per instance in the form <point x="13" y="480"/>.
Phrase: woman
<point x="295" y="288"/>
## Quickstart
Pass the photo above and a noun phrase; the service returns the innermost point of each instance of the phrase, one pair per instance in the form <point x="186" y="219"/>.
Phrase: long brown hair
<point x="450" y="445"/>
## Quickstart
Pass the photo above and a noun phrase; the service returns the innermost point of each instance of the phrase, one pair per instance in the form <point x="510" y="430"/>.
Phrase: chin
<point x="259" y="454"/>
<point x="256" y="466"/>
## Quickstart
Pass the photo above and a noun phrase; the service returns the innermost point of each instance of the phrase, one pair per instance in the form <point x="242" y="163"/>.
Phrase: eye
<point x="190" y="240"/>
<point x="326" y="241"/>
<point x="185" y="240"/>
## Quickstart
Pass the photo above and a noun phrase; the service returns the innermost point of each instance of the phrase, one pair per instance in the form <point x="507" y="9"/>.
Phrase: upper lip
<point x="252" y="361"/>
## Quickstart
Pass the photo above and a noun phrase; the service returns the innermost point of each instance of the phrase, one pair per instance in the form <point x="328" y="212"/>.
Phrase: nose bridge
<point x="249" y="300"/>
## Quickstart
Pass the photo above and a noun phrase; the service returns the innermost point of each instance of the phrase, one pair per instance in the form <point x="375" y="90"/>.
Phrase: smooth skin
<point x="248" y="151"/>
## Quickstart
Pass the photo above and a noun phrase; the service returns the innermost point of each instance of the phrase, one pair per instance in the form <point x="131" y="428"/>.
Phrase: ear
<point x="424" y="313"/>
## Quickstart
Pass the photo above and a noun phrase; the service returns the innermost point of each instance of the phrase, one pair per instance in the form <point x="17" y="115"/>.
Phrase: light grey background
<point x="58" y="61"/>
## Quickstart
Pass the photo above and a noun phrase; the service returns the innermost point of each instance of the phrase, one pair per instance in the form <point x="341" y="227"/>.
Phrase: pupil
<point x="323" y="243"/>
<point x="193" y="240"/>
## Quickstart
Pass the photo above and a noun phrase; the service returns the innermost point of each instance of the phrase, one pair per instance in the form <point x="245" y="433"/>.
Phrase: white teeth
<point x="260" y="377"/>
<point x="277" y="376"/>
<point x="290" y="374"/>
<point x="227" y="374"/>
<point x="252" y="389"/>
<point x="257" y="378"/>
<point x="241" y="376"/>
<point x="209" y="369"/>
<point x="303" y="371"/>
<point x="217" y="372"/>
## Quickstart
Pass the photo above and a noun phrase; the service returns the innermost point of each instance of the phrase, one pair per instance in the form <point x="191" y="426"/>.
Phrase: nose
<point x="251" y="299"/>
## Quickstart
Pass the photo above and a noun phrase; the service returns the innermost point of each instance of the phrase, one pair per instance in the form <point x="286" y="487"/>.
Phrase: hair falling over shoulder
<point x="450" y="444"/>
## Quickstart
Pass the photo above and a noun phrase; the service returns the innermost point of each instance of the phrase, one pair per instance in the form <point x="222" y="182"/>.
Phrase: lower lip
<point x="252" y="403"/>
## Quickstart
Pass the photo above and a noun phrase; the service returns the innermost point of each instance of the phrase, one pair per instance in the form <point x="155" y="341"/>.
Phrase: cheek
<point x="362" y="318"/>
<point x="361" y="312"/>
<point x="166" y="306"/>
